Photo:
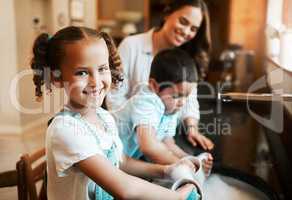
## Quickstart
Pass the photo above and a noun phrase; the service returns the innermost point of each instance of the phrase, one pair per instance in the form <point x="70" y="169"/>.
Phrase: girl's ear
<point x="154" y="86"/>
<point x="57" y="79"/>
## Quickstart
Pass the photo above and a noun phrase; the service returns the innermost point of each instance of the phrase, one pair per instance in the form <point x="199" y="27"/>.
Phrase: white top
<point x="71" y="139"/>
<point x="136" y="54"/>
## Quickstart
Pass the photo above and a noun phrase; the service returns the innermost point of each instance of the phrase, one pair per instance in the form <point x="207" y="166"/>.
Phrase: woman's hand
<point x="195" y="138"/>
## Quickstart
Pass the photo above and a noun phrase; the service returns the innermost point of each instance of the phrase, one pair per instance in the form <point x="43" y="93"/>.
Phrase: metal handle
<point x="238" y="96"/>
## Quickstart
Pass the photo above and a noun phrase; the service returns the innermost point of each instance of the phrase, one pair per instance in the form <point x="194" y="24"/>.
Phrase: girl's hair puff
<point x="49" y="52"/>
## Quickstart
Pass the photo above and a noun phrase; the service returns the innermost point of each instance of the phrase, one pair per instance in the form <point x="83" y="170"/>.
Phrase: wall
<point x="247" y="24"/>
<point x="108" y="8"/>
<point x="9" y="118"/>
<point x="17" y="40"/>
<point x="90" y="13"/>
<point x="219" y="21"/>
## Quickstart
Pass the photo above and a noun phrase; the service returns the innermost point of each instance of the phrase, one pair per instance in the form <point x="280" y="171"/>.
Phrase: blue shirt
<point x="144" y="108"/>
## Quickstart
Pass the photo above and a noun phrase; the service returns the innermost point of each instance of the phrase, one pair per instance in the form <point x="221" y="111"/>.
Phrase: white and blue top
<point x="144" y="108"/>
<point x="71" y="139"/>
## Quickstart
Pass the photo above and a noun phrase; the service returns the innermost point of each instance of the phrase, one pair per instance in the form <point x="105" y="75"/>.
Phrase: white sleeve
<point x="144" y="112"/>
<point x="116" y="98"/>
<point x="191" y="107"/>
<point x="71" y="143"/>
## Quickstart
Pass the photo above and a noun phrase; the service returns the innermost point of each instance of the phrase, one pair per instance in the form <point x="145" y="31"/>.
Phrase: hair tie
<point x="50" y="37"/>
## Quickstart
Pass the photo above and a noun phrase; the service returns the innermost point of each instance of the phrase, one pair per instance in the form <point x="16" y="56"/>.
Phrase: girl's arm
<point x="149" y="170"/>
<point x="152" y="148"/>
<point x="170" y="143"/>
<point x="121" y="185"/>
<point x="143" y="169"/>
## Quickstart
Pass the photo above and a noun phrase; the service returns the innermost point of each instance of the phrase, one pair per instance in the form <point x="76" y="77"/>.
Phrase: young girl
<point x="82" y="143"/>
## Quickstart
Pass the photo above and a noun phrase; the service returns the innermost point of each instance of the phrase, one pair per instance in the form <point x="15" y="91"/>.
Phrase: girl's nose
<point x="95" y="80"/>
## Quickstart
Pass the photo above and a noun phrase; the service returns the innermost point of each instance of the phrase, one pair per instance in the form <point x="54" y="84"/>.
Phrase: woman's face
<point x="86" y="73"/>
<point x="182" y="25"/>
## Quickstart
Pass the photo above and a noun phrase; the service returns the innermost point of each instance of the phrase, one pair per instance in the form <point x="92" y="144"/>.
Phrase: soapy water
<point x="215" y="186"/>
<point x="228" y="188"/>
<point x="220" y="187"/>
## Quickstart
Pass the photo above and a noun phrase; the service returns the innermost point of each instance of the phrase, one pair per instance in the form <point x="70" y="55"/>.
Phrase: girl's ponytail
<point x="39" y="62"/>
<point x="114" y="60"/>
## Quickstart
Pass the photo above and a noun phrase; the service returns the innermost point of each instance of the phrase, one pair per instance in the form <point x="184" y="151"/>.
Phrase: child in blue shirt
<point x="147" y="123"/>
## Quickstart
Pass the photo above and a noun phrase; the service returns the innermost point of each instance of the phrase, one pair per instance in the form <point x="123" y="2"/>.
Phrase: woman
<point x="185" y="25"/>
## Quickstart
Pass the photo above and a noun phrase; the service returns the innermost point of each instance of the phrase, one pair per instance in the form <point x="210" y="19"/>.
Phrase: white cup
<point x="177" y="184"/>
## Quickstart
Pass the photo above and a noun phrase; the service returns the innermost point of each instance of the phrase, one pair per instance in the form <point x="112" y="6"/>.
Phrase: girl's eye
<point x="103" y="69"/>
<point x="81" y="73"/>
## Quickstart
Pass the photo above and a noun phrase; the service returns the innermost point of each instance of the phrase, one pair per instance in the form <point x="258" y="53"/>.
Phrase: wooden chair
<point x="8" y="179"/>
<point x="31" y="169"/>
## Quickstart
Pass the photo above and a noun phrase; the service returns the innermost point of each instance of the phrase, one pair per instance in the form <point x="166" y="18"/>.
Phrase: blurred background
<point x="251" y="42"/>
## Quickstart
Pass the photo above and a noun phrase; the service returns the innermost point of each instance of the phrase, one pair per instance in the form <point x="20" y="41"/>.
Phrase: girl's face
<point x="175" y="97"/>
<point x="85" y="73"/>
<point x="182" y="25"/>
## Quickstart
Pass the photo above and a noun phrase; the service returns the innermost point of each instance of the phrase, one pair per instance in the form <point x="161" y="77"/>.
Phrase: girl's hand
<point x="207" y="164"/>
<point x="206" y="161"/>
<point x="181" y="169"/>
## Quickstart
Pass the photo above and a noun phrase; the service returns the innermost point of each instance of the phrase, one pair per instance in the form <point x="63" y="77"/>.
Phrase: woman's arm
<point x="170" y="143"/>
<point x="121" y="185"/>
<point x="191" y="115"/>
<point x="152" y="148"/>
<point x="194" y="136"/>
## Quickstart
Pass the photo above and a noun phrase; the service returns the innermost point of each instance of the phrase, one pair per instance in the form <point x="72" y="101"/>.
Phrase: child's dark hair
<point x="49" y="52"/>
<point x="173" y="66"/>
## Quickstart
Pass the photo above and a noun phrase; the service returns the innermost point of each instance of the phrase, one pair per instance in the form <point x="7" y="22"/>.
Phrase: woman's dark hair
<point x="200" y="46"/>
<point x="49" y="52"/>
<point x="173" y="66"/>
